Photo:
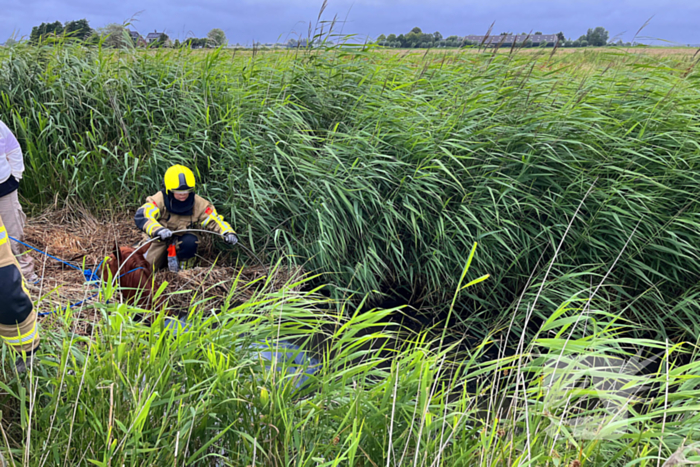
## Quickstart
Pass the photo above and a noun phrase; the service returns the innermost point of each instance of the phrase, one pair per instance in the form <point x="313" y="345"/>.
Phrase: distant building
<point x="535" y="39"/>
<point x="292" y="43"/>
<point x="153" y="36"/>
<point x="139" y="41"/>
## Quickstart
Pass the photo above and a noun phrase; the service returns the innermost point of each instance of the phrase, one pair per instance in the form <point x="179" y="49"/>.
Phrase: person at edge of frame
<point x="18" y="319"/>
<point x="11" y="171"/>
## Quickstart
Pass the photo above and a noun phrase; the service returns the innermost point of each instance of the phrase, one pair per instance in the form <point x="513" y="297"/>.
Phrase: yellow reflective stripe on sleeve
<point x="223" y="225"/>
<point x="23" y="339"/>
<point x="24" y="287"/>
<point x="3" y="235"/>
<point x="151" y="211"/>
<point x="151" y="227"/>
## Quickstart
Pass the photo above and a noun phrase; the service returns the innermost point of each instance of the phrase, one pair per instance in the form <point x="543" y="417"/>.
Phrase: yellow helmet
<point x="178" y="178"/>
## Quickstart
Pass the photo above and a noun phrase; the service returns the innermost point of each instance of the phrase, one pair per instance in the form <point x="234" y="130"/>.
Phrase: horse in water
<point x="135" y="276"/>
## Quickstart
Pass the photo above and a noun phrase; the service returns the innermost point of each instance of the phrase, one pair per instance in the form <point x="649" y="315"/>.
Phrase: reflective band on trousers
<point x="21" y="340"/>
<point x="3" y="235"/>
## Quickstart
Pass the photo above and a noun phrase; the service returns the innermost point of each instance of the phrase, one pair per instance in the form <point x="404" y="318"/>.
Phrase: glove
<point x="231" y="238"/>
<point x="164" y="233"/>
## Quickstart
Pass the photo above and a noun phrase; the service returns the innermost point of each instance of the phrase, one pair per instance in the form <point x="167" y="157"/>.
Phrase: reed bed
<point x="576" y="173"/>
<point x="379" y="172"/>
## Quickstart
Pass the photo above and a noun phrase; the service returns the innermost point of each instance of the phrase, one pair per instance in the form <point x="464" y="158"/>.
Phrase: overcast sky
<point x="271" y="20"/>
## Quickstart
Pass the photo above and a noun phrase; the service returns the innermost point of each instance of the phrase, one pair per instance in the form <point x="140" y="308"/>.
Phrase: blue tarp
<point x="290" y="356"/>
<point x="176" y="326"/>
<point x="287" y="356"/>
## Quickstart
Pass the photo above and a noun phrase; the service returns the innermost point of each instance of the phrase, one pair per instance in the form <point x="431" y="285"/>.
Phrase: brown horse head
<point x="136" y="276"/>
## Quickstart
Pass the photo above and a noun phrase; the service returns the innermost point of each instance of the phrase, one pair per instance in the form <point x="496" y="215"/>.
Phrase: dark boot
<point x="23" y="364"/>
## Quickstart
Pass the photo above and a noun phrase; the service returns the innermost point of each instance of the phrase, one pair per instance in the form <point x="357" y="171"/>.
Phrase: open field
<point x="378" y="171"/>
<point x="653" y="53"/>
<point x="650" y="51"/>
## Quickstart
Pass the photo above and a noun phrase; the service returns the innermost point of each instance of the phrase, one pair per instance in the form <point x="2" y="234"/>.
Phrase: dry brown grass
<point x="74" y="235"/>
<point x="666" y="51"/>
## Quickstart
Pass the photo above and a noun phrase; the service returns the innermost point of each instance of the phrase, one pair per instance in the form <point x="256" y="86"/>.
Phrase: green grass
<point x="134" y="395"/>
<point x="576" y="173"/>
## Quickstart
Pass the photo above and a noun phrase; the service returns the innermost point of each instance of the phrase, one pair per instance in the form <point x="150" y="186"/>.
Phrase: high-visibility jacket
<point x="155" y="215"/>
<point x="18" y="323"/>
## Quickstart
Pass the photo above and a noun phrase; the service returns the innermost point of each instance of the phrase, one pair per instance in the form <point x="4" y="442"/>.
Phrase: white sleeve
<point x="16" y="163"/>
<point x="13" y="152"/>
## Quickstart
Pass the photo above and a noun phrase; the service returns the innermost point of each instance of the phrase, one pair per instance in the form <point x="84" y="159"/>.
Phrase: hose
<point x="116" y="276"/>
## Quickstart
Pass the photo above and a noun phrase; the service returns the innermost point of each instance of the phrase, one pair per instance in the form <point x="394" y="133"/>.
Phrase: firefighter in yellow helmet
<point x="175" y="208"/>
<point x="18" y="323"/>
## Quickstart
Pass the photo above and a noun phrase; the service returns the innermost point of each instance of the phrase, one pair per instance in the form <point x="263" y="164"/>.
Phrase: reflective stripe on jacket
<point x="18" y="326"/>
<point x="154" y="215"/>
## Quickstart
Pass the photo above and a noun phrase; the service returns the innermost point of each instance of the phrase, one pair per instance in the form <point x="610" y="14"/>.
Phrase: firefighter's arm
<point x="212" y="220"/>
<point x="18" y="327"/>
<point x="147" y="216"/>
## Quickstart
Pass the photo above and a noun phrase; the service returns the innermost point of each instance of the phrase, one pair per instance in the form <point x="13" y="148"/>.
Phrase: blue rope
<point x="133" y="270"/>
<point x="44" y="253"/>
<point x="89" y="274"/>
<point x="69" y="306"/>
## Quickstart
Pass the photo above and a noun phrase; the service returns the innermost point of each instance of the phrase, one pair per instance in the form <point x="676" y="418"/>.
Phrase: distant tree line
<point x="117" y="35"/>
<point x="416" y="38"/>
<point x="303" y="42"/>
<point x="79" y="30"/>
<point x="215" y="38"/>
<point x="597" y="37"/>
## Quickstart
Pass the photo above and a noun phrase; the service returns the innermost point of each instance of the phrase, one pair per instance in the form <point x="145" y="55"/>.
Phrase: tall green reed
<point x="381" y="170"/>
